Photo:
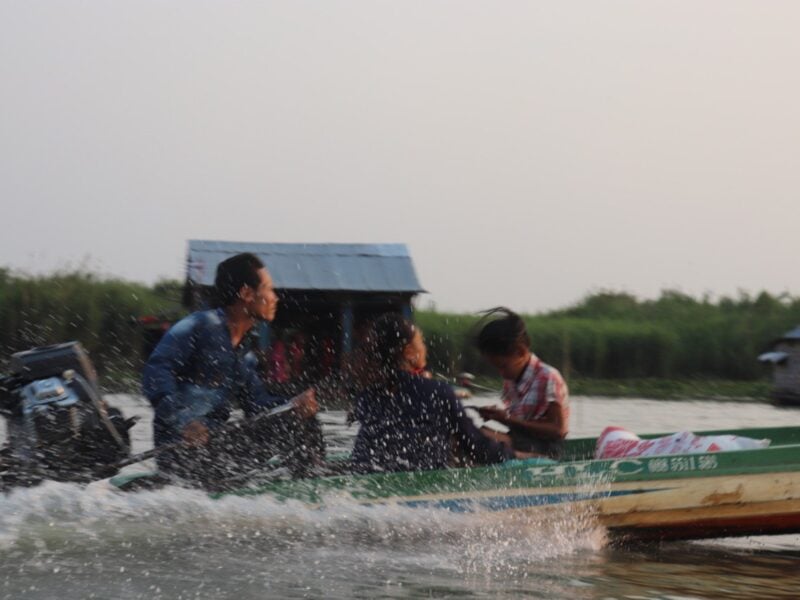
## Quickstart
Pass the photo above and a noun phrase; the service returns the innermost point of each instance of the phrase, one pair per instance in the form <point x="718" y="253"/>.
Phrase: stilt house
<point x="785" y="359"/>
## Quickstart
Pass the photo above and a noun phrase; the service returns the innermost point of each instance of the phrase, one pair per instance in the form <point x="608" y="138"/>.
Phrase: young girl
<point x="407" y="421"/>
<point x="535" y="397"/>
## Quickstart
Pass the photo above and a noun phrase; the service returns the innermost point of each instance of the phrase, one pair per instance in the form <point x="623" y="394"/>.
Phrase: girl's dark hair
<point x="387" y="338"/>
<point x="501" y="335"/>
<point x="233" y="273"/>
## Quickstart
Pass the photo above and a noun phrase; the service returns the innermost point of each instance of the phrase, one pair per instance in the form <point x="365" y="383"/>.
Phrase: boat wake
<point x="60" y="517"/>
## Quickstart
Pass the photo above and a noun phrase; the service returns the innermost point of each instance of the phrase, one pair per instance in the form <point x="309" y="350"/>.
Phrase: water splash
<point x="55" y="511"/>
<point x="185" y="544"/>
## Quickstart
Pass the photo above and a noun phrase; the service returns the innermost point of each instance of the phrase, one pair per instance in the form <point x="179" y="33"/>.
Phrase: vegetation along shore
<point x="609" y="343"/>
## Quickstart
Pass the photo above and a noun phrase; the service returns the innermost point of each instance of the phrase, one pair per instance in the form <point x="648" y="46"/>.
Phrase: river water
<point x="65" y="541"/>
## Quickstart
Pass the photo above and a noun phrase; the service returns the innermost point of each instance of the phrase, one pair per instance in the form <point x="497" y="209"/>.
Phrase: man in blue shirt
<point x="200" y="366"/>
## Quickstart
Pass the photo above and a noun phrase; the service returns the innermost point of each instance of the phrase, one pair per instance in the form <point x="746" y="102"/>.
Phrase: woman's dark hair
<point x="503" y="334"/>
<point x="387" y="338"/>
<point x="233" y="273"/>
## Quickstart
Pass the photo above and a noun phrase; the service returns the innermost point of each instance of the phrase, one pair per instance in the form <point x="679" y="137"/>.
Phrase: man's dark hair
<point x="502" y="335"/>
<point x="235" y="272"/>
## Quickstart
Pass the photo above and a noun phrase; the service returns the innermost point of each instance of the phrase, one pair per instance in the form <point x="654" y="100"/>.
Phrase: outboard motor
<point x="59" y="427"/>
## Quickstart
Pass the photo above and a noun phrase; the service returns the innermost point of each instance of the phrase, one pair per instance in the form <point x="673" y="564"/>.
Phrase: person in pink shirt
<point x="297" y="353"/>
<point x="277" y="362"/>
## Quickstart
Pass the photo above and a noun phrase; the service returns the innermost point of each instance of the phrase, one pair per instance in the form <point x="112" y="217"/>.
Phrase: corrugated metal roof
<point x="339" y="267"/>
<point x="773" y="357"/>
<point x="794" y="334"/>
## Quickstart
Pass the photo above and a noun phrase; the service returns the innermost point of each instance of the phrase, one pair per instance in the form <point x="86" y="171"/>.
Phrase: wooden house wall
<point x="787" y="375"/>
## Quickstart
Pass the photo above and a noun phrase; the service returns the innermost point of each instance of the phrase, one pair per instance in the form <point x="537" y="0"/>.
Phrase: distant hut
<point x="328" y="295"/>
<point x="784" y="356"/>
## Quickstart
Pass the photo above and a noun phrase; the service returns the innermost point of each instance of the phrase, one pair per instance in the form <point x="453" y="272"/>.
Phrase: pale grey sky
<point x="528" y="152"/>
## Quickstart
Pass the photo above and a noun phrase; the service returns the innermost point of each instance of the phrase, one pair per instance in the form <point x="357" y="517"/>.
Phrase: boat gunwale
<point x="532" y="474"/>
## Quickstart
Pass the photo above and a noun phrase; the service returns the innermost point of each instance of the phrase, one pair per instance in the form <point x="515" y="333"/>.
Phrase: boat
<point x="675" y="497"/>
<point x="60" y="428"/>
<point x="785" y="398"/>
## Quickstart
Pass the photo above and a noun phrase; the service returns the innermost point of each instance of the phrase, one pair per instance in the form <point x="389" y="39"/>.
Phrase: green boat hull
<point x="664" y="497"/>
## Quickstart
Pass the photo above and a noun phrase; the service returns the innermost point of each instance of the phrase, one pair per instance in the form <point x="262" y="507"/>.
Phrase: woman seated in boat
<point x="535" y="397"/>
<point x="408" y="421"/>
